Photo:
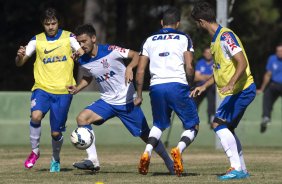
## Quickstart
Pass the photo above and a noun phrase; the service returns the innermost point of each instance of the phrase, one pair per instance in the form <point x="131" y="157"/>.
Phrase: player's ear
<point x="93" y="38"/>
<point x="162" y="22"/>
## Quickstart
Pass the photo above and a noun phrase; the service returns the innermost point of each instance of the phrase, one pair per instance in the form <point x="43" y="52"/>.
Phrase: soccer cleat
<point x="143" y="167"/>
<point x="234" y="174"/>
<point x="31" y="159"/>
<point x="55" y="166"/>
<point x="264" y="123"/>
<point x="87" y="165"/>
<point x="178" y="165"/>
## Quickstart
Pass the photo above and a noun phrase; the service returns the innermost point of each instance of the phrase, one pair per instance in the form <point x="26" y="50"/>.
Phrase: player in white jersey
<point x="171" y="66"/>
<point x="104" y="63"/>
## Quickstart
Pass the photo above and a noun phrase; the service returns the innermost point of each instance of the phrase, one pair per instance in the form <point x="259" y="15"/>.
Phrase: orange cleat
<point x="144" y="163"/>
<point x="176" y="156"/>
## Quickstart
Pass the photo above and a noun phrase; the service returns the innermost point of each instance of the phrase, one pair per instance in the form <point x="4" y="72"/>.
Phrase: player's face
<point x="279" y="52"/>
<point x="51" y="27"/>
<point x="207" y="54"/>
<point x="86" y="42"/>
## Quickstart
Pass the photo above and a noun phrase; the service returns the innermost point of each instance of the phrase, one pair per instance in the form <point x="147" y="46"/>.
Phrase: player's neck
<point x="94" y="50"/>
<point x="212" y="28"/>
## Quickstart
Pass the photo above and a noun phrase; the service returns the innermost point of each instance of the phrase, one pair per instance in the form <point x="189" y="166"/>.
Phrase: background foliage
<point x="128" y="22"/>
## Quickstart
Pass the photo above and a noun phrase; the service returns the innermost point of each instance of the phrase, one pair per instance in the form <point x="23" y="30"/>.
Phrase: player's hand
<point x="137" y="101"/>
<point x="75" y="56"/>
<point x="227" y="88"/>
<point x="72" y="89"/>
<point x="128" y="75"/>
<point x="21" y="52"/>
<point x="197" y="91"/>
<point x="259" y="91"/>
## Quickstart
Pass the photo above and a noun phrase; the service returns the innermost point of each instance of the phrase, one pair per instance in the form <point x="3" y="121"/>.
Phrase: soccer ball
<point x="82" y="138"/>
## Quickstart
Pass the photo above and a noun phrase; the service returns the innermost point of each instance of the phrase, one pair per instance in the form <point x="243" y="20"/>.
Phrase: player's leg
<point x="211" y="104"/>
<point x="134" y="120"/>
<point x="39" y="106"/>
<point x="186" y="110"/>
<point x="227" y="118"/>
<point x="59" y="109"/>
<point x="270" y="95"/>
<point x="161" y="120"/>
<point x="96" y="113"/>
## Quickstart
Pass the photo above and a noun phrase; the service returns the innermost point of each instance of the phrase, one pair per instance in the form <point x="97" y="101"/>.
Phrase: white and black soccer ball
<point x="82" y="138"/>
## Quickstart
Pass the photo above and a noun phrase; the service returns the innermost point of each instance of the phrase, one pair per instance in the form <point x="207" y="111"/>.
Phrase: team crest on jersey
<point x="105" y="63"/>
<point x="33" y="103"/>
<point x="229" y="40"/>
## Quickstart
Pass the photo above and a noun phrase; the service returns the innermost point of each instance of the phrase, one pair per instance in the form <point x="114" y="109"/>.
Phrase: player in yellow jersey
<point x="53" y="71"/>
<point x="234" y="82"/>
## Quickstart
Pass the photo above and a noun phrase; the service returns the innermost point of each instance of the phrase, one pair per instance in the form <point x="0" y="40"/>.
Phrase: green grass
<point x="119" y="165"/>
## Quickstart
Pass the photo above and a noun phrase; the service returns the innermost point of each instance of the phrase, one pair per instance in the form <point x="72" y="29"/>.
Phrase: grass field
<point x="119" y="165"/>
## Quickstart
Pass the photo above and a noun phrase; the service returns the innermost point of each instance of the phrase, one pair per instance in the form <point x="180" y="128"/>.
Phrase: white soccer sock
<point x="91" y="151"/>
<point x="156" y="133"/>
<point x="240" y="152"/>
<point x="34" y="135"/>
<point x="228" y="143"/>
<point x="187" y="133"/>
<point x="57" y="145"/>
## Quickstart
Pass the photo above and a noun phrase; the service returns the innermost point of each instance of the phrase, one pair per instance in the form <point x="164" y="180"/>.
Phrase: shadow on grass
<point x="62" y="170"/>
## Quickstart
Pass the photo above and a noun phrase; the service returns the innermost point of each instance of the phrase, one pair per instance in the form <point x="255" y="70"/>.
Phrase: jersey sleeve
<point x="144" y="49"/>
<point x="85" y="72"/>
<point x="269" y="64"/>
<point x="31" y="47"/>
<point x="189" y="44"/>
<point x="74" y="43"/>
<point x="230" y="43"/>
<point x="120" y="51"/>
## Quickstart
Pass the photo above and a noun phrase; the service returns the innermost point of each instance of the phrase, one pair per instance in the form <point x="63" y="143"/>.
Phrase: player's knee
<point x="36" y="117"/>
<point x="81" y="120"/>
<point x="56" y="135"/>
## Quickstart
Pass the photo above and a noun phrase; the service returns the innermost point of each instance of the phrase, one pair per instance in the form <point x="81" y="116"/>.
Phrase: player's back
<point x="165" y="50"/>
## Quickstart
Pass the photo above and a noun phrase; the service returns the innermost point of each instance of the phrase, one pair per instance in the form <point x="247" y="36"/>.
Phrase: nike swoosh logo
<point x="48" y="51"/>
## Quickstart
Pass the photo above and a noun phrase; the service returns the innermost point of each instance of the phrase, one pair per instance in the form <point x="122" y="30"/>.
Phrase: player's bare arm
<point x="240" y="69"/>
<point x="21" y="57"/>
<point x="134" y="62"/>
<point x="199" y="90"/>
<point x="142" y="63"/>
<point x="266" y="79"/>
<point x="85" y="81"/>
<point x="189" y="67"/>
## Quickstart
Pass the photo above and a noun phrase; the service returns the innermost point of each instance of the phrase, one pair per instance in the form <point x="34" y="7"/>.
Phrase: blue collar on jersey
<point x="103" y="50"/>
<point x="169" y="30"/>
<point x="216" y="33"/>
<point x="56" y="37"/>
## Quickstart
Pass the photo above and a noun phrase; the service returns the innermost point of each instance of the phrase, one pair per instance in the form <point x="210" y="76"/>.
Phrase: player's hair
<point x="205" y="11"/>
<point x="85" y="29"/>
<point x="171" y="16"/>
<point x="49" y="14"/>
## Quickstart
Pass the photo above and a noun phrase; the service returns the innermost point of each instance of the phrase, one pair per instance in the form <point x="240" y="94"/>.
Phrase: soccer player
<point x="172" y="73"/>
<point x="104" y="63"/>
<point x="234" y="82"/>
<point x="271" y="86"/>
<point x="203" y="71"/>
<point x="53" y="71"/>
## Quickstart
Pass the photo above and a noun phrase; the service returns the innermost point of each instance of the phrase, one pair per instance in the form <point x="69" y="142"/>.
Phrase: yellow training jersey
<point x="53" y="67"/>
<point x="224" y="46"/>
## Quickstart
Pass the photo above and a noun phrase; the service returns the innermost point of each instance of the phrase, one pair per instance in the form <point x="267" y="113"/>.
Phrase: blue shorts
<point x="130" y="115"/>
<point x="173" y="96"/>
<point x="233" y="107"/>
<point x="57" y="104"/>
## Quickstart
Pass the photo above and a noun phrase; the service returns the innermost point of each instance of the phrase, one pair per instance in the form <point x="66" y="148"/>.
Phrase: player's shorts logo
<point x="33" y="103"/>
